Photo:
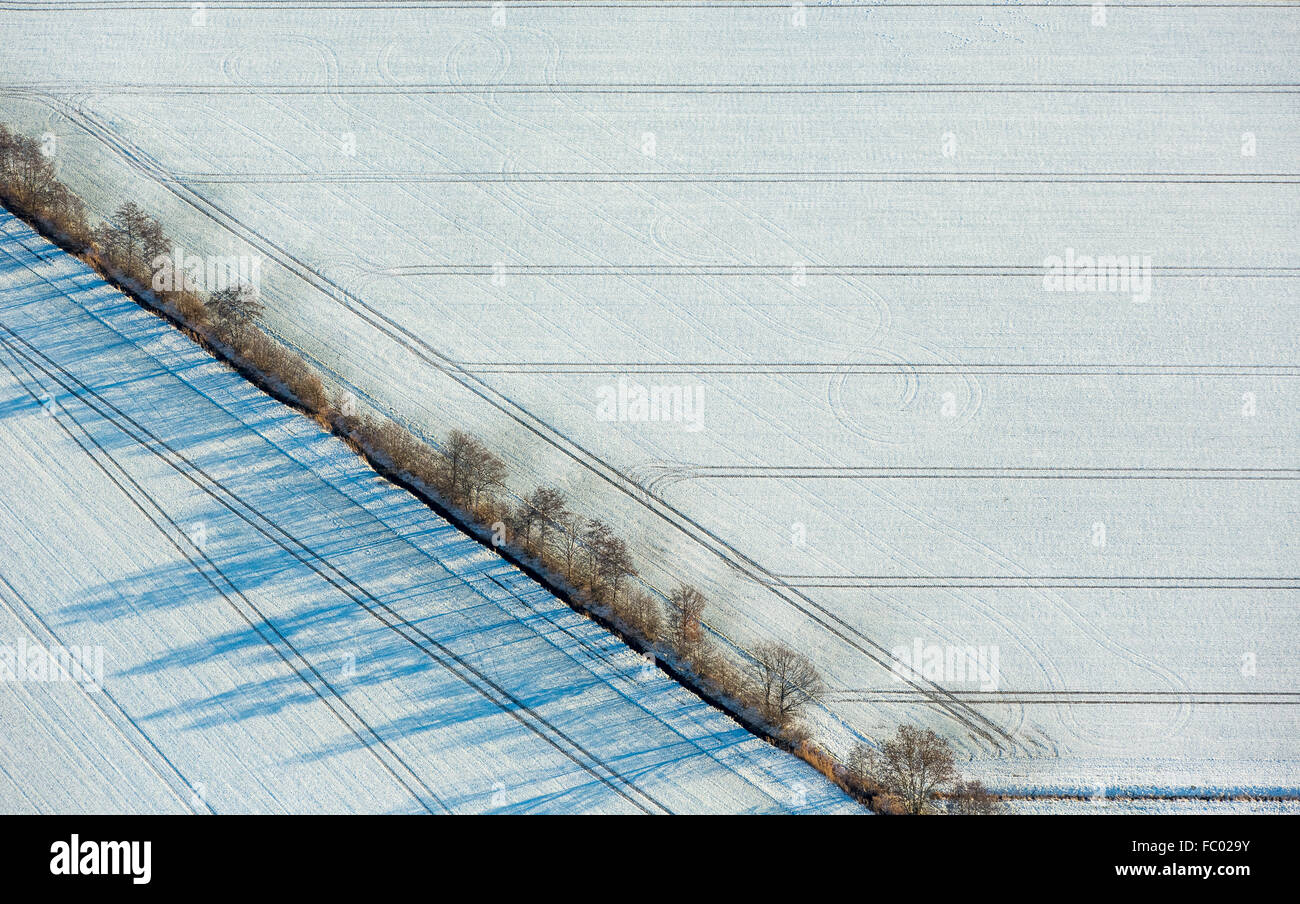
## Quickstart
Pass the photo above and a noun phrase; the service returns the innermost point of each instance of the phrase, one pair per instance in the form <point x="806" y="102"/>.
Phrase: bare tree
<point x="595" y="535"/>
<point x="8" y="148"/>
<point x="69" y="213"/>
<point x="551" y="508"/>
<point x="485" y="475"/>
<point x="859" y="767"/>
<point x="685" y="618"/>
<point x="132" y="238"/>
<point x="617" y="564"/>
<point x="915" y="765"/>
<point x="469" y="468"/>
<point x="788" y="681"/>
<point x="570" y="541"/>
<point x="608" y="557"/>
<point x="456" y="452"/>
<point x="971" y="798"/>
<point x="153" y="241"/>
<point x="519" y="518"/>
<point x="544" y="508"/>
<point x="642" y="612"/>
<point x="236" y="306"/>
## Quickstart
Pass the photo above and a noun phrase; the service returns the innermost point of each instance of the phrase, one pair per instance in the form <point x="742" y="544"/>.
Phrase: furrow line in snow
<point x="269" y="634"/>
<point x="267" y="527"/>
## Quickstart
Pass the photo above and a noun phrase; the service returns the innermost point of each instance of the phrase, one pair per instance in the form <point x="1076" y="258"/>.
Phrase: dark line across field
<point x="785" y="270"/>
<point x="882" y="368"/>
<point x="346" y="5"/>
<point x="732" y="178"/>
<point x="726" y="88"/>
<point x="1039" y="582"/>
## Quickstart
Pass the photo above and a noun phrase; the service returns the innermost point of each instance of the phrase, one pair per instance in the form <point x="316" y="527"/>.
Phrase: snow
<point x="1152" y="807"/>
<point x="387" y="664"/>
<point x="237" y="135"/>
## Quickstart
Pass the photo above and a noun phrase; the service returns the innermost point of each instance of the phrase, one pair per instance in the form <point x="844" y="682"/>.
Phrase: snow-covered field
<point x="1102" y="807"/>
<point x="280" y="629"/>
<point x="834" y="231"/>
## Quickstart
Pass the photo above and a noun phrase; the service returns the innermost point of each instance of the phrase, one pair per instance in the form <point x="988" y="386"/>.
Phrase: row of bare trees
<point x="781" y="683"/>
<point x="596" y="563"/>
<point x="912" y="772"/>
<point x="124" y="248"/>
<point x="130" y="242"/>
<point x="30" y="187"/>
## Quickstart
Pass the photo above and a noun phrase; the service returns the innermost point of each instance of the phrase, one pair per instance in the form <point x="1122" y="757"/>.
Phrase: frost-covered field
<point x="280" y="629"/>
<point x="1152" y="807"/>
<point x="833" y="230"/>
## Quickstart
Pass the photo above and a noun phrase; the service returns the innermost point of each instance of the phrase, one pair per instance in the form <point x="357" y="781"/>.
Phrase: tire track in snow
<point x="426" y="643"/>
<point x="123" y="723"/>
<point x="251" y="622"/>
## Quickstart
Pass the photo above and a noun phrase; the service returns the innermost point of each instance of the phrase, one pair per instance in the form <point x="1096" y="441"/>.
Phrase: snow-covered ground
<point x="1103" y="807"/>
<point x="280" y="629"/>
<point x="834" y="229"/>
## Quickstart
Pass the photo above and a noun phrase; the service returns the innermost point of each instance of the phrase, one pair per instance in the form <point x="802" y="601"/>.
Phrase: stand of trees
<point x="915" y="772"/>
<point x="238" y="305"/>
<point x="30" y="188"/>
<point x="597" y="564"/>
<point x="124" y="248"/>
<point x="462" y="471"/>
<point x="131" y="239"/>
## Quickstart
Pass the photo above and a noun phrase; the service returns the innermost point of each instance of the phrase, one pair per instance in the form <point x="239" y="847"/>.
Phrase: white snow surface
<point x="837" y="407"/>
